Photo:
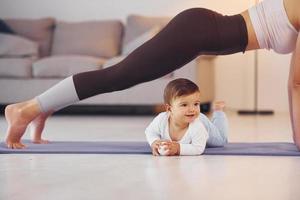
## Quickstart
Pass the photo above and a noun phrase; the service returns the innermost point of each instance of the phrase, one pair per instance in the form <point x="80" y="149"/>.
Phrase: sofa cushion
<point x="135" y="43"/>
<point x="63" y="66"/>
<point x="136" y="25"/>
<point x="16" y="67"/>
<point x="16" y="46"/>
<point x="38" y="30"/>
<point x="92" y="38"/>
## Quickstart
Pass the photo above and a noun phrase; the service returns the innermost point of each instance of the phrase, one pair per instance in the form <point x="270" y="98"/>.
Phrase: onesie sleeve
<point x="199" y="137"/>
<point x="153" y="131"/>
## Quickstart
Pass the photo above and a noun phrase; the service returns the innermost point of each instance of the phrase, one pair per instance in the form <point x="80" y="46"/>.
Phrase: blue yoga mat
<point x="125" y="147"/>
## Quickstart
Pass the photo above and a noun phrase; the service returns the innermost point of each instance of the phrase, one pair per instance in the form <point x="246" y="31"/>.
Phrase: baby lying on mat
<point x="182" y="129"/>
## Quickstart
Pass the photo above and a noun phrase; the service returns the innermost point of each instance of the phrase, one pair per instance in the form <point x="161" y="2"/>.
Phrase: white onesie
<point x="272" y="26"/>
<point x="192" y="143"/>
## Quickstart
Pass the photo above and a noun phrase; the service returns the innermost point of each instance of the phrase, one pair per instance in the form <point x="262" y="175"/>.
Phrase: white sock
<point x="58" y="96"/>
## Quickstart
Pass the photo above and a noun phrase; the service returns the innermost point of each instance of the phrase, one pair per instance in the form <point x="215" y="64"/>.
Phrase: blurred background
<point x="234" y="80"/>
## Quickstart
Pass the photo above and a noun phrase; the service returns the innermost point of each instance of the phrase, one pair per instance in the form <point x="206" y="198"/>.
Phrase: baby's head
<point x="182" y="100"/>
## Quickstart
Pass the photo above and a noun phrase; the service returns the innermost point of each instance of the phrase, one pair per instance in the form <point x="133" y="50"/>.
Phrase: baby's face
<point x="185" y="109"/>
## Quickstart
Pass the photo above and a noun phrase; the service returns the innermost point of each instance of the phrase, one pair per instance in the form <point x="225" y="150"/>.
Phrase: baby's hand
<point x="218" y="105"/>
<point x="163" y="149"/>
<point x="155" y="146"/>
<point x="170" y="148"/>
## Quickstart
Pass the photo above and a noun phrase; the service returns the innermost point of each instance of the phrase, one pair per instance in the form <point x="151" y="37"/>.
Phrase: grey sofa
<point x="44" y="51"/>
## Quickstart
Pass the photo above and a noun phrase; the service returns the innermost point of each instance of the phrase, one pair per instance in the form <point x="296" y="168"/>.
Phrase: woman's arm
<point x="294" y="93"/>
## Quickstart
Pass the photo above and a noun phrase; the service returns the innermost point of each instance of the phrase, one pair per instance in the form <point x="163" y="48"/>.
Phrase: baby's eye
<point x="184" y="105"/>
<point x="196" y="104"/>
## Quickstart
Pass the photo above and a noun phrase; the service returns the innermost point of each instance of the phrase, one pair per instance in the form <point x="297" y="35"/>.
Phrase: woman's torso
<point x="292" y="8"/>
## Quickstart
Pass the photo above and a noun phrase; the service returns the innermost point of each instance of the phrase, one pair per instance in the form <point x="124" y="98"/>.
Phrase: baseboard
<point x="114" y="109"/>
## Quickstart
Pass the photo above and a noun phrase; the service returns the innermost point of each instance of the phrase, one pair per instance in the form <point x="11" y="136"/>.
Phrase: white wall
<point x="100" y="9"/>
<point x="234" y="74"/>
<point x="234" y="80"/>
<point x="273" y="70"/>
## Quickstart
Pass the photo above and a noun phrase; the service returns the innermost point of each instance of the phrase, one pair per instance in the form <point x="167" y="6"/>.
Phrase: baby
<point x="182" y="129"/>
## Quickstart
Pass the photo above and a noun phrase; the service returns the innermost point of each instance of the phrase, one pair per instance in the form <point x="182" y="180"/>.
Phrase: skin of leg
<point x="18" y="116"/>
<point x="37" y="127"/>
<point x="294" y="93"/>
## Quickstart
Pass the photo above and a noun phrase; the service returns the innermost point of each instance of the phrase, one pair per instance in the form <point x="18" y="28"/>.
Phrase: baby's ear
<point x="167" y="107"/>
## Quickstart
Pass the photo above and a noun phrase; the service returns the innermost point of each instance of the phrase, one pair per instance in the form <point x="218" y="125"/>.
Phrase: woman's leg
<point x="19" y="115"/>
<point x="37" y="127"/>
<point x="191" y="33"/>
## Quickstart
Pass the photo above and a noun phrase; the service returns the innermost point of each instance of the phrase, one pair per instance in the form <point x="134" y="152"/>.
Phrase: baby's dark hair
<point x="179" y="87"/>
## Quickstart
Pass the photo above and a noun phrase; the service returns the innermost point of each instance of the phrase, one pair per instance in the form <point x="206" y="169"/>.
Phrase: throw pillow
<point x="37" y="30"/>
<point x="16" y="46"/>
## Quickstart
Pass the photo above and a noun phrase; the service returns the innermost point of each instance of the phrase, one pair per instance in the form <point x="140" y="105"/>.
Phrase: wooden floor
<point x="146" y="177"/>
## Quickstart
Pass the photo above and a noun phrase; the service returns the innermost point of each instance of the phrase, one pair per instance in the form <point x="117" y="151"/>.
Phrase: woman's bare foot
<point x="37" y="127"/>
<point x="18" y="116"/>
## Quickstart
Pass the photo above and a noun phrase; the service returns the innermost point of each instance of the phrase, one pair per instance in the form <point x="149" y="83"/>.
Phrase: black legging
<point x="191" y="33"/>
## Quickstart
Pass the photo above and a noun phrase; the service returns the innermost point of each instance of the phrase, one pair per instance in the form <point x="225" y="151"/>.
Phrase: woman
<point x="272" y="24"/>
